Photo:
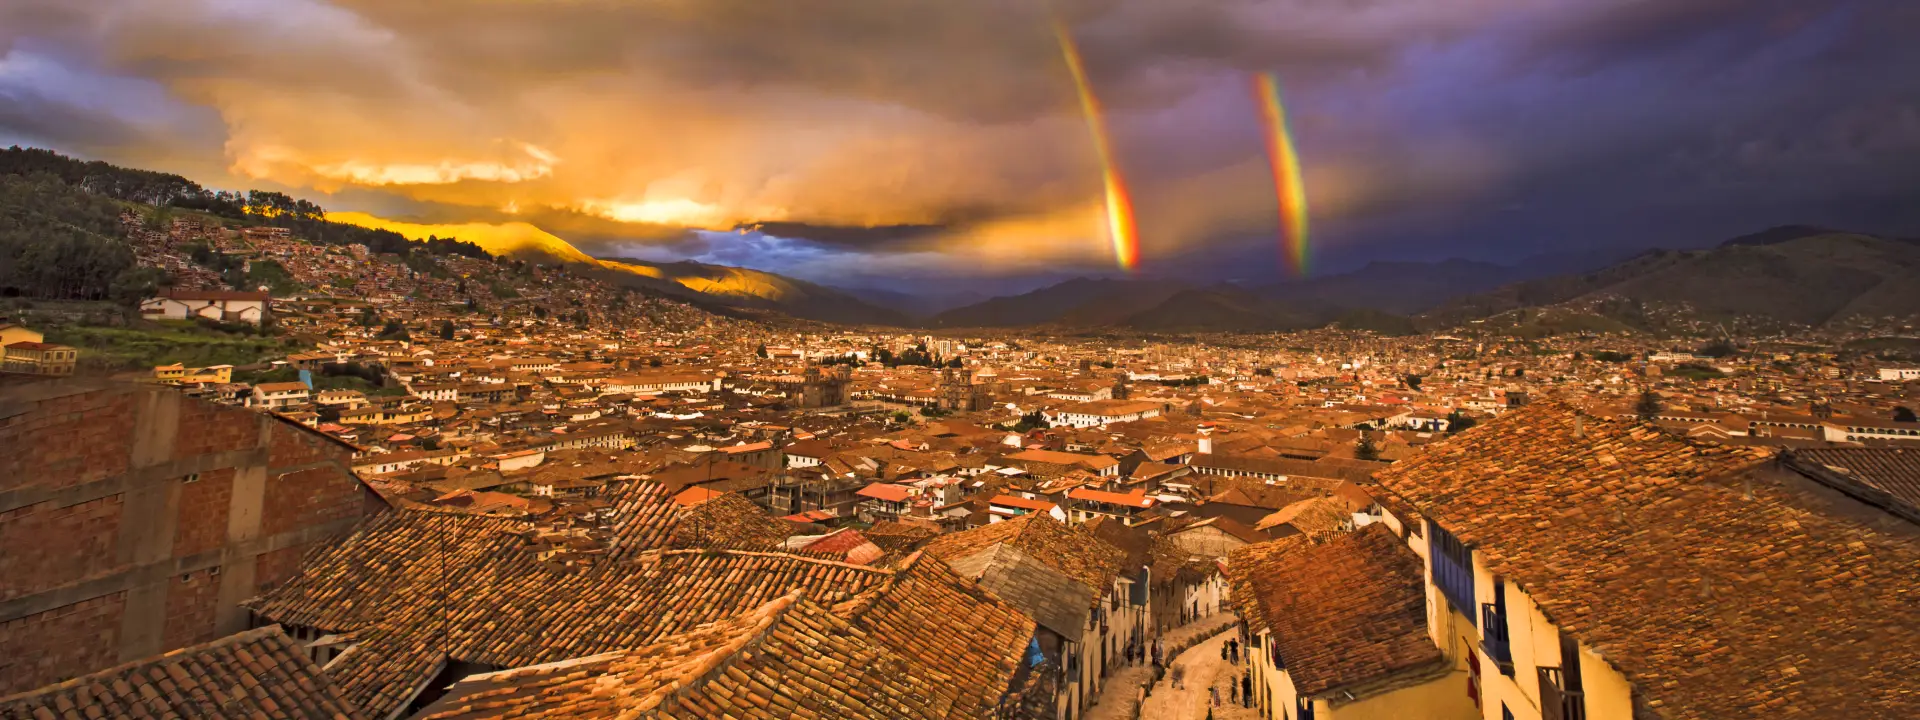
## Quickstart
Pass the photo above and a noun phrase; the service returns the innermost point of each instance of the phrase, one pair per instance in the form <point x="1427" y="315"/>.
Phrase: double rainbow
<point x="1120" y="224"/>
<point x="1286" y="174"/>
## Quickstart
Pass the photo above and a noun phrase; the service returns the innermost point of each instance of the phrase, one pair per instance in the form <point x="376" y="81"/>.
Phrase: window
<point x="1452" y="563"/>
<point x="190" y="478"/>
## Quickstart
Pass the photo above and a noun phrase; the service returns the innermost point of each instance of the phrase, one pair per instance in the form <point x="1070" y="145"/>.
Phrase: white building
<point x="1101" y="412"/>
<point x="221" y="305"/>
<point x="1900" y="374"/>
<point x="274" y="396"/>
<point x="653" y="384"/>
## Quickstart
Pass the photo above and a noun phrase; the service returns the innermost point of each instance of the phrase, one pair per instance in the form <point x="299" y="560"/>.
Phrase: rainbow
<point x="1120" y="224"/>
<point x="1286" y="174"/>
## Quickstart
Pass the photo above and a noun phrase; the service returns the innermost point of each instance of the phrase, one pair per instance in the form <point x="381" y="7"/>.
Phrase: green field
<point x="149" y="343"/>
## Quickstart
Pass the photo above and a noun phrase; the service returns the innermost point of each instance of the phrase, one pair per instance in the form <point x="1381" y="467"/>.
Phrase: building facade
<point x="144" y="516"/>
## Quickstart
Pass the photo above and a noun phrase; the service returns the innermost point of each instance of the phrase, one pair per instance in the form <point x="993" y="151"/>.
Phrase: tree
<point x="761" y="351"/>
<point x="1030" y="421"/>
<point x="1365" y="449"/>
<point x="956" y="363"/>
<point x="446" y="329"/>
<point x="1649" y="405"/>
<point x="1413" y="382"/>
<point x="1458" y="421"/>
<point x="1904" y="414"/>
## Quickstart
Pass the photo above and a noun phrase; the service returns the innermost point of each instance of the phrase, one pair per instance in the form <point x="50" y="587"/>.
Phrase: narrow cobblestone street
<point x="1204" y="669"/>
<point x="1120" y="696"/>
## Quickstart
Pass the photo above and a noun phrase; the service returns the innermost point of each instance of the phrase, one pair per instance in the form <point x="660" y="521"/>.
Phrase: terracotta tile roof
<point x="347" y="584"/>
<point x="1890" y="476"/>
<point x="886" y="491"/>
<point x="895" y="536"/>
<point x="787" y="658"/>
<point x="1343" y="614"/>
<point x="254" y="674"/>
<point x="1719" y="590"/>
<point x="729" y="521"/>
<point x="944" y="623"/>
<point x="1070" y="550"/>
<point x="845" y="544"/>
<point x="1015" y="501"/>
<point x="1316" y="518"/>
<point x="508" y="615"/>
<point x="1137" y="498"/>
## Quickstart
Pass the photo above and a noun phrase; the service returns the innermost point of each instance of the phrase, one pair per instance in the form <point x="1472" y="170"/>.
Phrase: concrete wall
<point x="137" y="519"/>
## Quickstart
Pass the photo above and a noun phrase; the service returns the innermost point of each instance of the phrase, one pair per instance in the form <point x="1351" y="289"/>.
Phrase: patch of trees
<point x="304" y="218"/>
<point x="59" y="244"/>
<point x="1195" y="381"/>
<point x="916" y="355"/>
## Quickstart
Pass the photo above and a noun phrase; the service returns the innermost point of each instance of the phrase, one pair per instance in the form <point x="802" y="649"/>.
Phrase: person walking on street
<point x="1213" y="695"/>
<point x="1179" y="676"/>
<point x="1233" y="693"/>
<point x="1246" y="690"/>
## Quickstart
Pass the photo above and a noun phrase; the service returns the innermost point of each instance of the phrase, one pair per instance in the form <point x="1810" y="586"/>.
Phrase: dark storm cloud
<point x="947" y="134"/>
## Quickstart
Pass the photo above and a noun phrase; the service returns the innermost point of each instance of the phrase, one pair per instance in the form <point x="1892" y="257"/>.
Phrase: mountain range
<point x="1802" y="275"/>
<point x="1792" y="274"/>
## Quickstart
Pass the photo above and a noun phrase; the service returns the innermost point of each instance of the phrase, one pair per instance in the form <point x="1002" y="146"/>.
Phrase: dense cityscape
<point x="448" y="484"/>
<point x="901" y="360"/>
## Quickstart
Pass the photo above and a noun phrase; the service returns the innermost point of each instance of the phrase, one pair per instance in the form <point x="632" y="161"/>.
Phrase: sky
<point x="940" y="146"/>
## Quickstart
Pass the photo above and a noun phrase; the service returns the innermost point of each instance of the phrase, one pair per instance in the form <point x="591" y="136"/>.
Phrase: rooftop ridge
<point x="229" y="640"/>
<point x="718" y="660"/>
<point x="643" y="557"/>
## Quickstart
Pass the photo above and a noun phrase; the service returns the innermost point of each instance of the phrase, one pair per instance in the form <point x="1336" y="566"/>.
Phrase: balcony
<point x="1493" y="628"/>
<point x="1557" y="700"/>
<point x="1452" y="567"/>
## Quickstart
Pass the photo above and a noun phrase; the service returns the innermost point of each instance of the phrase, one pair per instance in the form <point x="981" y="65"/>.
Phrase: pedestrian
<point x="1246" y="690"/>
<point x="1213" y="695"/>
<point x="1233" y="693"/>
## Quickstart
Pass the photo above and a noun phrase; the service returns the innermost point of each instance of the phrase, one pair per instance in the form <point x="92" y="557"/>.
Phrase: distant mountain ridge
<point x="1083" y="298"/>
<point x="1802" y="275"/>
<point x="744" y="287"/>
<point x="1798" y="274"/>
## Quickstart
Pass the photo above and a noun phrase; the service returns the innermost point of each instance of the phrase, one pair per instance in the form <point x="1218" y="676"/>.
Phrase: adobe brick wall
<point x="88" y="634"/>
<point x="137" y="519"/>
<point x="31" y="563"/>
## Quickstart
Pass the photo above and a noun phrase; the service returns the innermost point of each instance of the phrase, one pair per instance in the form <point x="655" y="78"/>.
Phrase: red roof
<point x="886" y="491"/>
<point x="838" y="541"/>
<point x="1137" y="498"/>
<point x="26" y="345"/>
<point x="810" y="516"/>
<point x="694" y="496"/>
<point x="1022" y="503"/>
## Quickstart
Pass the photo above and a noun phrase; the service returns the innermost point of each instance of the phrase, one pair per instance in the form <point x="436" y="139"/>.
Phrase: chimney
<point x="1206" y="446"/>
<point x="1579" y="425"/>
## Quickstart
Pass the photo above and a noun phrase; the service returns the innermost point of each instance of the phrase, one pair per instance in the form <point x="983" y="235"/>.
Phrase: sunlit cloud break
<point x="1120" y="225"/>
<point x="1286" y="174"/>
<point x="535" y="164"/>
